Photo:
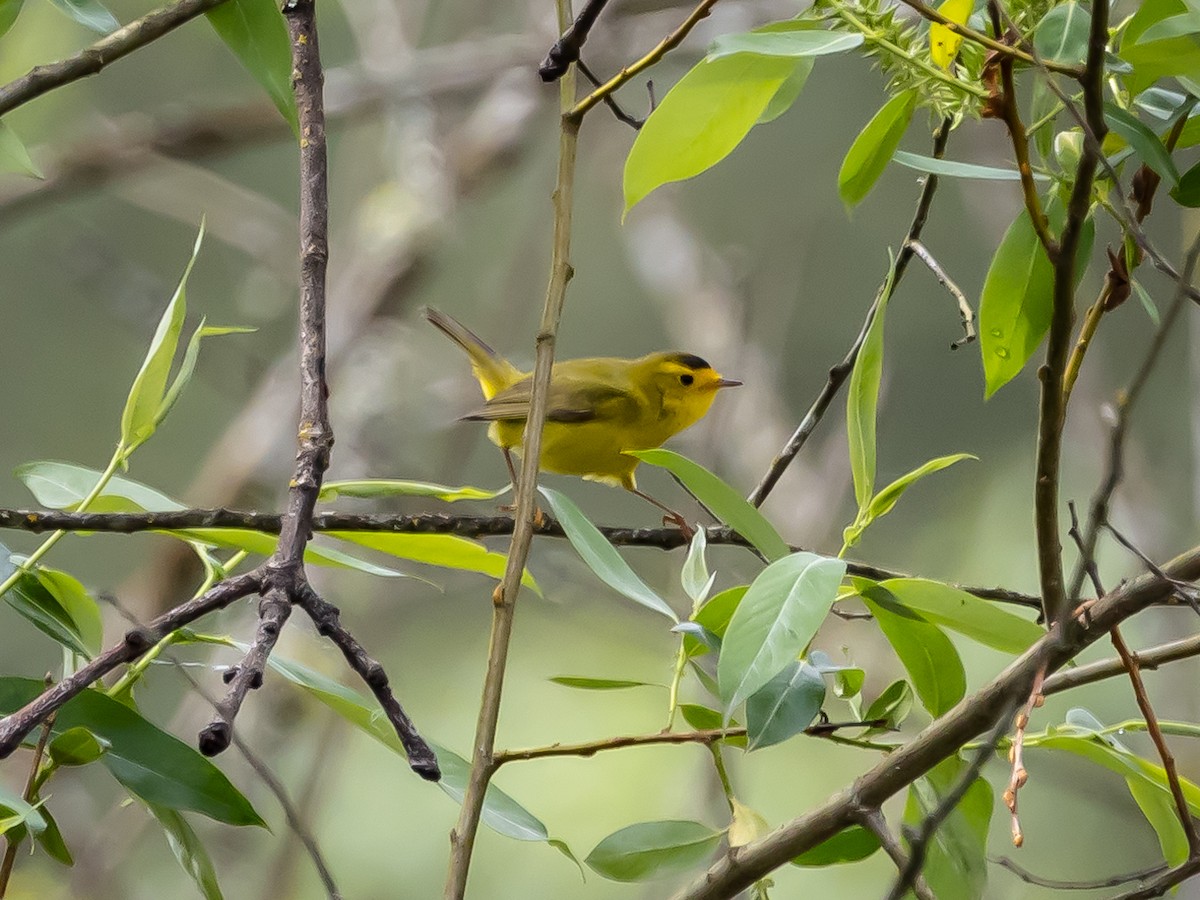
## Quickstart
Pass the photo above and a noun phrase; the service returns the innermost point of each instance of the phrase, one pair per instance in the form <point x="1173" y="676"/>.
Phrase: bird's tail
<point x="493" y="371"/>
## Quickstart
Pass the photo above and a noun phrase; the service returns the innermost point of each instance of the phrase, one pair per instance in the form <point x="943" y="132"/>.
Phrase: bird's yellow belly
<point x="587" y="449"/>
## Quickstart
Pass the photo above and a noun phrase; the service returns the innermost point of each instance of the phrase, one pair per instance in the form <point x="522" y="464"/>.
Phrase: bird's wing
<point x="569" y="400"/>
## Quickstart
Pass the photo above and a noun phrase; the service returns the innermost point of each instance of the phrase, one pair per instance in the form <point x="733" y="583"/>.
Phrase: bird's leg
<point x="671" y="515"/>
<point x="539" y="517"/>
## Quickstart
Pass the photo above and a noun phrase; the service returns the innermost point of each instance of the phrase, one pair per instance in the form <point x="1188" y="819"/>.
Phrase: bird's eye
<point x="686" y="380"/>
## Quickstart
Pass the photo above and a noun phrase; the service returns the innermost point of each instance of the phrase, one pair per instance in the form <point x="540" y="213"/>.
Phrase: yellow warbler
<point x="596" y="408"/>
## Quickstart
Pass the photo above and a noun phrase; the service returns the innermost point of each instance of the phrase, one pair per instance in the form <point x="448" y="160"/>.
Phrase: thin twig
<point x="874" y="822"/>
<point x="566" y="49"/>
<point x="610" y="101"/>
<point x="462" y="838"/>
<point x="1164" y="882"/>
<point x="839" y="373"/>
<point x="138" y="33"/>
<point x="1183" y="590"/>
<point x="1100" y="670"/>
<point x="964" y="308"/>
<point x="665" y="46"/>
<point x="1098" y="508"/>
<point x="1054" y="883"/>
<point x="342" y="525"/>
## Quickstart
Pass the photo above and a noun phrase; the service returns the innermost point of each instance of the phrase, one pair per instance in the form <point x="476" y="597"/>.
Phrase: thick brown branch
<point x="971" y="717"/>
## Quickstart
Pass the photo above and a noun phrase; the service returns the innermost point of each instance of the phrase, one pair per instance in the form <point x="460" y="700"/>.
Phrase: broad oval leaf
<point x="891" y="707"/>
<point x="747" y="824"/>
<point x="719" y="498"/>
<point x="9" y="10"/>
<point x="1017" y="298"/>
<point x="702" y="119"/>
<point x="800" y="41"/>
<point x="1062" y="34"/>
<point x="446" y="550"/>
<point x="256" y="33"/>
<point x="776" y="619"/>
<point x="965" y="613"/>
<point x="55" y="609"/>
<point x="926" y="653"/>
<point x="956" y="855"/>
<point x="153" y="765"/>
<point x="875" y="145"/>
<point x="848" y="845"/>
<point x="76" y="747"/>
<point x="702" y="718"/>
<point x="382" y="487"/>
<point x="601" y="557"/>
<point x="650" y="850"/>
<point x="784" y="706"/>
<point x="63" y="485"/>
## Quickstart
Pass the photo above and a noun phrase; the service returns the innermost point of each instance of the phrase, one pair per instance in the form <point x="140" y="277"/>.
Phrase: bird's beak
<point x="726" y="382"/>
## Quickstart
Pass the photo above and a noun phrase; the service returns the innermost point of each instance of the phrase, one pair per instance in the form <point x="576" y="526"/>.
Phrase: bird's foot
<point x="681" y="523"/>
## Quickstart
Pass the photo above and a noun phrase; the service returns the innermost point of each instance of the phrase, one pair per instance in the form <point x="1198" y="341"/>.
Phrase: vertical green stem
<point x="673" y="697"/>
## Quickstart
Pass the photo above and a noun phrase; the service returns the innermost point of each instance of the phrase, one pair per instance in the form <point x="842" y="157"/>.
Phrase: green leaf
<point x="39" y="607"/>
<point x="875" y="145"/>
<point x="848" y="680"/>
<point x="90" y="14"/>
<point x="788" y="92"/>
<point x="382" y="487"/>
<point x="694" y="576"/>
<point x="189" y="850"/>
<point x="13" y="155"/>
<point x="965" y="613"/>
<point x="51" y="839"/>
<point x="62" y="485"/>
<point x="81" y="607"/>
<point x="746" y="825"/>
<point x="601" y="557"/>
<point x="1147" y="303"/>
<point x="142" y="408"/>
<point x="9" y="10"/>
<point x="1018" y="296"/>
<point x="1144" y="142"/>
<point x="892" y="707"/>
<point x="883" y="502"/>
<point x="862" y="398"/>
<point x="153" y="765"/>
<point x="653" y="850"/>
<point x="702" y="119"/>
<point x="958" y="169"/>
<point x="256" y="33"/>
<point x="600" y="684"/>
<point x="16" y="812"/>
<point x="848" y="845"/>
<point x="702" y="718"/>
<point x="799" y="42"/>
<point x="926" y="653"/>
<point x="956" y="856"/>
<point x="1170" y="57"/>
<point x="501" y="812"/>
<point x="446" y="550"/>
<point x="263" y="544"/>
<point x="1162" y="814"/>
<point x="1187" y="192"/>
<point x="188" y="366"/>
<point x="784" y="706"/>
<point x="778" y="616"/>
<point x="1062" y="34"/>
<point x="714" y="617"/>
<point x="77" y="747"/>
<point x="721" y="500"/>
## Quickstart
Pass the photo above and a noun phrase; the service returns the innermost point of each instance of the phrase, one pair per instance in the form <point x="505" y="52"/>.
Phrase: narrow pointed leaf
<point x="965" y="613"/>
<point x="862" y="398"/>
<point x="9" y="10"/>
<point x="849" y="845"/>
<point x="446" y="550"/>
<point x="382" y="487"/>
<point x="90" y="14"/>
<point x="956" y="169"/>
<point x="1145" y="143"/>
<point x="694" y="575"/>
<point x="876" y="144"/>
<point x="601" y="557"/>
<point x="722" y="500"/>
<point x="13" y="155"/>
<point x="189" y="851"/>
<point x="600" y="684"/>
<point x="256" y="33"/>
<point x="802" y="40"/>
<point x="956" y="856"/>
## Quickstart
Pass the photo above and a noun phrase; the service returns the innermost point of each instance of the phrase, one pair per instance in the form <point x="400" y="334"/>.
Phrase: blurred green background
<point x="442" y="158"/>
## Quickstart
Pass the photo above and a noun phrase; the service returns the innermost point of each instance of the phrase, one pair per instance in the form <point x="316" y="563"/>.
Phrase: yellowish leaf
<point x="747" y="825"/>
